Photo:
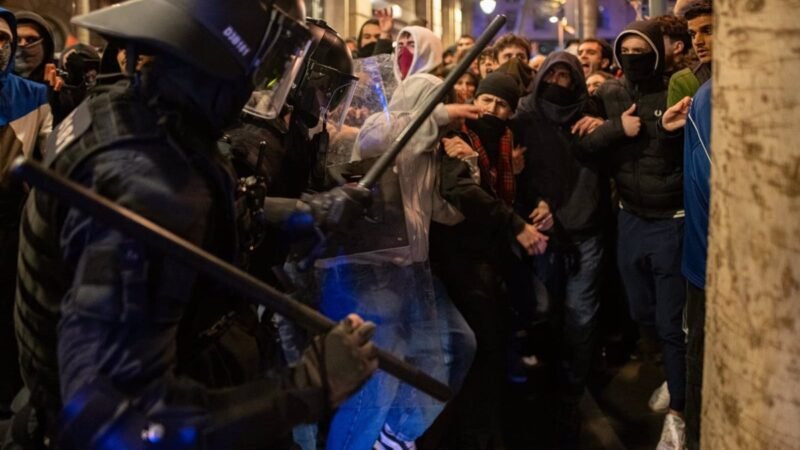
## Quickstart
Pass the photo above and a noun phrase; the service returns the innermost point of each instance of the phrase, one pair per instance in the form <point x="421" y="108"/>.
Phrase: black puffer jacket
<point x="557" y="169"/>
<point x="648" y="168"/>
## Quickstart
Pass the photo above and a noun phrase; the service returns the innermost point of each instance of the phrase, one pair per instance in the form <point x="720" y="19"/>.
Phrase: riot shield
<point x="371" y="94"/>
<point x="370" y="270"/>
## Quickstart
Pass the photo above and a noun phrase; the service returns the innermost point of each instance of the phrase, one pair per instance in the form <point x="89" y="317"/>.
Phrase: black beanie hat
<point x="501" y="85"/>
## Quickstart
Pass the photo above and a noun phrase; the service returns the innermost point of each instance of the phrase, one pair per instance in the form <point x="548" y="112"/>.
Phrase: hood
<point x="9" y="17"/>
<point x="650" y="31"/>
<point x="427" y="51"/>
<point x="47" y="36"/>
<point x="568" y="112"/>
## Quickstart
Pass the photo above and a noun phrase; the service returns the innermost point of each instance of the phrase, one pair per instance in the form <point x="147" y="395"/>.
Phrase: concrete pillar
<point x="657" y="7"/>
<point x="588" y="15"/>
<point x="84" y="7"/>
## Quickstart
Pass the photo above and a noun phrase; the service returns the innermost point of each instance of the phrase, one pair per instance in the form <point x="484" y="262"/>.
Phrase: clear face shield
<point x="328" y="91"/>
<point x="284" y="45"/>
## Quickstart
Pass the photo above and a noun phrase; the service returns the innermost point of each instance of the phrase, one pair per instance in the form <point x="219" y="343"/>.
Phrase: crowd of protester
<point x="586" y="146"/>
<point x="580" y="181"/>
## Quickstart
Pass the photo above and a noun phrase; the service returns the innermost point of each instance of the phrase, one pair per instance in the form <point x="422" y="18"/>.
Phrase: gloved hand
<point x="342" y="360"/>
<point x="335" y="210"/>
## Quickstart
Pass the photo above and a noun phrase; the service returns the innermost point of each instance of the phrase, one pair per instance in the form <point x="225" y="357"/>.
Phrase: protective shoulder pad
<point x="102" y="122"/>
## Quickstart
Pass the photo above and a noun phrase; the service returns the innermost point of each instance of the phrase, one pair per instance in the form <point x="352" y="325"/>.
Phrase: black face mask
<point x="638" y="67"/>
<point x="489" y="128"/>
<point x="367" y="50"/>
<point x="557" y="95"/>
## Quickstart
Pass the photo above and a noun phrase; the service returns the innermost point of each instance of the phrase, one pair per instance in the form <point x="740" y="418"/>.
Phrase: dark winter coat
<point x="648" y="168"/>
<point x="557" y="169"/>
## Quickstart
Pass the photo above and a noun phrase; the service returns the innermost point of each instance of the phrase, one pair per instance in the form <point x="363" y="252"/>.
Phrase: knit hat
<point x="5" y="28"/>
<point x="501" y="85"/>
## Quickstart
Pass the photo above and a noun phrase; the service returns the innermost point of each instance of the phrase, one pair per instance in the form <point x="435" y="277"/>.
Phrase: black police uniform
<point x="130" y="313"/>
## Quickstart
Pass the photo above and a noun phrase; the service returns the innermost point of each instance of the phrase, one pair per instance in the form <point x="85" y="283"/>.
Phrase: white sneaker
<point x="673" y="435"/>
<point x="387" y="440"/>
<point x="659" y="400"/>
<point x="530" y="361"/>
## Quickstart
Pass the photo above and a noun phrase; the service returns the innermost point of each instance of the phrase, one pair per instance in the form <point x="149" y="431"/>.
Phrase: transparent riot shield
<point x="371" y="95"/>
<point x="371" y="270"/>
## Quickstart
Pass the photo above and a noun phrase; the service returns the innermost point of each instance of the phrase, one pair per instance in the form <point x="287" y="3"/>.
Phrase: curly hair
<point x="675" y="28"/>
<point x="512" y="40"/>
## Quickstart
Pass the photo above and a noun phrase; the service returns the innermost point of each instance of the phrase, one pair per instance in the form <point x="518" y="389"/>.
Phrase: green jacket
<point x="686" y="82"/>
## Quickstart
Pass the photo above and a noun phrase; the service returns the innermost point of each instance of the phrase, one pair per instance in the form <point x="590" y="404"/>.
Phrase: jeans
<point x="649" y="259"/>
<point x="581" y="307"/>
<point x="416" y="322"/>
<point x="696" y="319"/>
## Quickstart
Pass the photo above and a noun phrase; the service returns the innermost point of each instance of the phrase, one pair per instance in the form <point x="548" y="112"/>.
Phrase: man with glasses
<point x="35" y="46"/>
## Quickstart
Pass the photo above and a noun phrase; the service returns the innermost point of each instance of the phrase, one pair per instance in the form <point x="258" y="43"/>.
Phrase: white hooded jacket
<point x="416" y="165"/>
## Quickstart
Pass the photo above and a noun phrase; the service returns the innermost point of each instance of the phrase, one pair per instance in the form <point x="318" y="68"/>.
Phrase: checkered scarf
<point x="500" y="177"/>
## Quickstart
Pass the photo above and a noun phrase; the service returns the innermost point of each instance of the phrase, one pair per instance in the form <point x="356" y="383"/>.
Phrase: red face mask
<point x="404" y="60"/>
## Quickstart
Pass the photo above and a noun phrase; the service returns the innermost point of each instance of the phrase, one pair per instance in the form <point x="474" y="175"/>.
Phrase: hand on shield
<point x="342" y="360"/>
<point x="335" y="210"/>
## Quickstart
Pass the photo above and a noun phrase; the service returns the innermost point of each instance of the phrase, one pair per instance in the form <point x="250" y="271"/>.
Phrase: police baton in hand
<point x="174" y="246"/>
<point x="387" y="158"/>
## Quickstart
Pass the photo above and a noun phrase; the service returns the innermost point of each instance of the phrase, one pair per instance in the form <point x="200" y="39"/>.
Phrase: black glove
<point x="335" y="210"/>
<point x="341" y="361"/>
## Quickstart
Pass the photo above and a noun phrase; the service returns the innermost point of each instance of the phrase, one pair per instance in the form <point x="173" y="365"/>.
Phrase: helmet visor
<point x="330" y="89"/>
<point x="284" y="45"/>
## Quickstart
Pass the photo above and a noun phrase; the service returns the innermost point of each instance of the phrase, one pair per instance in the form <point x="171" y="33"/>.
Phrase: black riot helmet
<point x="325" y="82"/>
<point x="260" y="41"/>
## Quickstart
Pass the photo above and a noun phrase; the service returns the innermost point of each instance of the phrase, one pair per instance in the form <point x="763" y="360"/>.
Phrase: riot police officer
<point x="282" y="157"/>
<point x="108" y="329"/>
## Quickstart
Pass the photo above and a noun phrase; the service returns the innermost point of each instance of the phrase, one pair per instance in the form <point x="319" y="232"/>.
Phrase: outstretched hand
<point x="675" y="117"/>
<point x="586" y="125"/>
<point x="458" y="111"/>
<point x="385" y="22"/>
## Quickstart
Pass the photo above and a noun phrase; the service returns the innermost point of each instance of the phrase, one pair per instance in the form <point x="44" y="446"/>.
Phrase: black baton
<point x="223" y="272"/>
<point x="387" y="159"/>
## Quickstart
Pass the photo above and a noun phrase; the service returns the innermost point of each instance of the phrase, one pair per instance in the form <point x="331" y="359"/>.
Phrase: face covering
<point x="5" y="56"/>
<point x="404" y="60"/>
<point x="558" y="104"/>
<point x="367" y="50"/>
<point x="29" y="57"/>
<point x="557" y="94"/>
<point x="638" y="67"/>
<point x="489" y="128"/>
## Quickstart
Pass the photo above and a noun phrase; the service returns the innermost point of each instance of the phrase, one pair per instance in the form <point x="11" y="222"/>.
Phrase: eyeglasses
<point x="28" y="40"/>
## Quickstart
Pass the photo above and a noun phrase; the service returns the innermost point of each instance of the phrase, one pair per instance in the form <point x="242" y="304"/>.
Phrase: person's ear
<point x="604" y="63"/>
<point x="678" y="48"/>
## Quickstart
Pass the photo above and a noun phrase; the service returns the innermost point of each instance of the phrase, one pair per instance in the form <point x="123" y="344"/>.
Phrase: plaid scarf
<point x="500" y="178"/>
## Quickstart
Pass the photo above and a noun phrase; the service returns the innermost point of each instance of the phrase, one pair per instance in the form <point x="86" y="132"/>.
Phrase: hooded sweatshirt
<point x="647" y="168"/>
<point x="557" y="169"/>
<point x="416" y="165"/>
<point x="48" y="45"/>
